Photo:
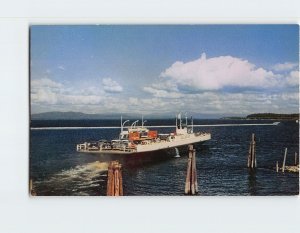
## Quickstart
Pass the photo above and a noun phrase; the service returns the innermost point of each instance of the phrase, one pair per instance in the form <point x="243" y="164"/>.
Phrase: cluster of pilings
<point x="114" y="179"/>
<point x="115" y="184"/>
<point x="252" y="164"/>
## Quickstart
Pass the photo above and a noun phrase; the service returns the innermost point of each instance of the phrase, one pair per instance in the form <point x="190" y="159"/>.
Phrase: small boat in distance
<point x="140" y="139"/>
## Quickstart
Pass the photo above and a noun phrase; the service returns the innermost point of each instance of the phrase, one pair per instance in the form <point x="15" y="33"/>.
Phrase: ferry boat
<point x="139" y="139"/>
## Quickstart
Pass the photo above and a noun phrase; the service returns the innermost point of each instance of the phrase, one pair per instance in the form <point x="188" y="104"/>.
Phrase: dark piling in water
<point x="252" y="154"/>
<point x="296" y="156"/>
<point x="191" y="184"/>
<point x="114" y="179"/>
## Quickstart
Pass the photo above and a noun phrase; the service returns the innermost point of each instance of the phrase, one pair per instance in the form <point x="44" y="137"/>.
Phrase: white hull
<point x="178" y="141"/>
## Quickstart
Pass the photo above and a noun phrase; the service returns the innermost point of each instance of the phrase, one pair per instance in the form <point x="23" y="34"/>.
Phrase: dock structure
<point x="252" y="153"/>
<point x="191" y="183"/>
<point x="114" y="179"/>
<point x="287" y="168"/>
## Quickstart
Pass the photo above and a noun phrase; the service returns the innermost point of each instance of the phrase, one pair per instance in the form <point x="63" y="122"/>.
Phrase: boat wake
<point x="75" y="181"/>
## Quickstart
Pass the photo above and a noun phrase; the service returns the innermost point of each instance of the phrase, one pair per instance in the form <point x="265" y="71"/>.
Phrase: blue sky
<point x="162" y="69"/>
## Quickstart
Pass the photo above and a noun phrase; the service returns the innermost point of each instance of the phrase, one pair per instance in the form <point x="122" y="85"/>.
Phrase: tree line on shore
<point x="293" y="116"/>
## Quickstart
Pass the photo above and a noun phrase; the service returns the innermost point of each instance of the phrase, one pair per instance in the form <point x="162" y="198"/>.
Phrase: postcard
<point x="164" y="110"/>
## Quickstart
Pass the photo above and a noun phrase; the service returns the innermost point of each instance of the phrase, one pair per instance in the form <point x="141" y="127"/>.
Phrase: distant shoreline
<point x="85" y="116"/>
<point x="265" y="116"/>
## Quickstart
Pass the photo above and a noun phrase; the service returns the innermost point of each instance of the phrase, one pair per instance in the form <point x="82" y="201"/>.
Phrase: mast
<point x="186" y="123"/>
<point x="178" y="125"/>
<point x="180" y="121"/>
<point x="121" y="124"/>
<point x="122" y="127"/>
<point x="143" y="121"/>
<point x="121" y="132"/>
<point x="134" y="124"/>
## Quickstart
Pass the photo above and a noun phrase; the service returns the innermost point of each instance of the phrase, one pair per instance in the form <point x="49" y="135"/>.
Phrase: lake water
<point x="56" y="168"/>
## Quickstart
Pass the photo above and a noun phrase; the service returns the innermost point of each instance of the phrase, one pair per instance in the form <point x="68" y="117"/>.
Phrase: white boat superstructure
<point x="139" y="139"/>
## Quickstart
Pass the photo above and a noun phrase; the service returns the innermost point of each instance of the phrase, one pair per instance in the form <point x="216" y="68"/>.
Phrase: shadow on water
<point x="140" y="160"/>
<point x="252" y="183"/>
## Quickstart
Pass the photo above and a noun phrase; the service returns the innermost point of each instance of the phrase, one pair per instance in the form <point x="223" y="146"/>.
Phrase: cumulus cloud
<point x="213" y="103"/>
<point x="218" y="73"/>
<point x="51" y="98"/>
<point x="47" y="98"/>
<point x="222" y="85"/>
<point x="162" y="93"/>
<point x="293" y="78"/>
<point x="45" y="83"/>
<point x="48" y="92"/>
<point x="218" y="85"/>
<point x="111" y="86"/>
<point x="285" y="66"/>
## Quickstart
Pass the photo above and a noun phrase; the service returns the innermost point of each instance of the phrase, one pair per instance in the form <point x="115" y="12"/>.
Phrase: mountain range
<point x="86" y="116"/>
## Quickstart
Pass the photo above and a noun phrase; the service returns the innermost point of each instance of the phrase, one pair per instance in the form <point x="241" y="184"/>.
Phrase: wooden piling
<point x="249" y="156"/>
<point x="114" y="179"/>
<point x="252" y="154"/>
<point x="284" y="159"/>
<point x="252" y="151"/>
<point x="191" y="184"/>
<point x="120" y="181"/>
<point x="109" y="179"/>
<point x="193" y="178"/>
<point x="188" y="175"/>
<point x="277" y="168"/>
<point x="195" y="171"/>
<point x="30" y="185"/>
<point x="116" y="182"/>
<point x="296" y="156"/>
<point x="31" y="189"/>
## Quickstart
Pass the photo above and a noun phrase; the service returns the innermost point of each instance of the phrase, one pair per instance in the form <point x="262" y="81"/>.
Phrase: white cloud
<point x="49" y="97"/>
<point x="218" y="73"/>
<point x="45" y="83"/>
<point x="293" y="78"/>
<point x="61" y="68"/>
<point x="212" y="103"/>
<point x="133" y="101"/>
<point x="197" y="87"/>
<point x="48" y="92"/>
<point x="221" y="85"/>
<point x="44" y="96"/>
<point x="285" y="66"/>
<point x="111" y="86"/>
<point x="162" y="93"/>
